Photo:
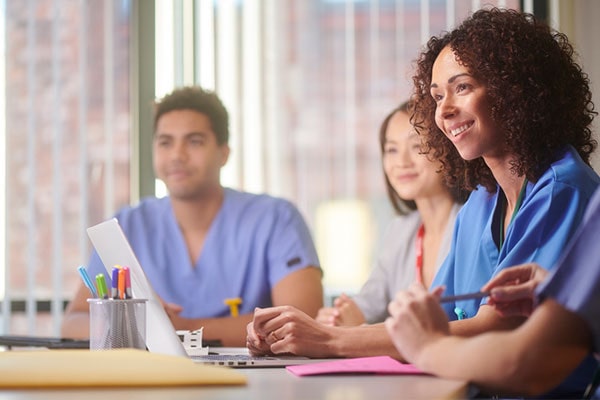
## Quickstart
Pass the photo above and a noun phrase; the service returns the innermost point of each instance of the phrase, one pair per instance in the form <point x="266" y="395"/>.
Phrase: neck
<point x="197" y="213"/>
<point x="510" y="183"/>
<point x="514" y="196"/>
<point x="434" y="212"/>
<point x="512" y="190"/>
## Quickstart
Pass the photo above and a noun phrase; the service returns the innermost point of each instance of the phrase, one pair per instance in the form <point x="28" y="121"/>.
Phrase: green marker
<point x="101" y="283"/>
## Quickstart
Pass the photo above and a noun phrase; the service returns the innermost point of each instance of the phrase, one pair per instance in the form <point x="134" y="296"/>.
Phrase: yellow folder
<point x="122" y="367"/>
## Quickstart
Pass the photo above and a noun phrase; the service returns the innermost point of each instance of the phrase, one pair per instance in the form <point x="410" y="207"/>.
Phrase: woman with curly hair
<point x="502" y="103"/>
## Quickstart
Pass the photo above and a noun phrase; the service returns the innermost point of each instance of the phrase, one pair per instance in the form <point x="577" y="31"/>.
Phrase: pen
<point x="101" y="283"/>
<point x="467" y="296"/>
<point x="87" y="281"/>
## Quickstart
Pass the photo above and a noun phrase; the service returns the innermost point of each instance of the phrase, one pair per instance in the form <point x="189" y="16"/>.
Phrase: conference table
<point x="276" y="384"/>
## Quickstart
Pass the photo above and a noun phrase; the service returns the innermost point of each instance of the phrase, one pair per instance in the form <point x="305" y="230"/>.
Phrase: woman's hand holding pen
<point x="512" y="290"/>
<point x="416" y="319"/>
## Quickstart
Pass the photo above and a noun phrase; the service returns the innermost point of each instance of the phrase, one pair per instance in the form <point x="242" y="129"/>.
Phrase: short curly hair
<point x="197" y="99"/>
<point x="540" y="96"/>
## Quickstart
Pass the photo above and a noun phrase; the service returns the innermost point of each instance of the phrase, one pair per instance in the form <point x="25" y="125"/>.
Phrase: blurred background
<point x="306" y="82"/>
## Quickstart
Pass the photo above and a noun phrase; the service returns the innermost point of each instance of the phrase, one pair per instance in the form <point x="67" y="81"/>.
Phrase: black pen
<point x="466" y="296"/>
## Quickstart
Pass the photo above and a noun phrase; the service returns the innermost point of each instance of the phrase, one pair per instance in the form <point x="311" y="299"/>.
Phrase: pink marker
<point x="127" y="283"/>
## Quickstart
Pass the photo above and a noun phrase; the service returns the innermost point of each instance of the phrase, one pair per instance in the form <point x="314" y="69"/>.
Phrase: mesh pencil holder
<point x="117" y="324"/>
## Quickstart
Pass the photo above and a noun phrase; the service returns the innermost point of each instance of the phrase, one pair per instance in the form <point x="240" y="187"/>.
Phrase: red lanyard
<point x="419" y="252"/>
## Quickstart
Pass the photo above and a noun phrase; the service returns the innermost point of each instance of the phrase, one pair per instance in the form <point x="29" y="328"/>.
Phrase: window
<point x="307" y="84"/>
<point x="66" y="144"/>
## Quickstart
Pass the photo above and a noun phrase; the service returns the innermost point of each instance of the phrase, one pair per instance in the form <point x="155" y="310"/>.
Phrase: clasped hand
<point x="286" y="330"/>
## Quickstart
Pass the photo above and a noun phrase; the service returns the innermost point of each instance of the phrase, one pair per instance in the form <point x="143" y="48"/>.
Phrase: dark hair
<point x="539" y="95"/>
<point x="197" y="99"/>
<point x="400" y="205"/>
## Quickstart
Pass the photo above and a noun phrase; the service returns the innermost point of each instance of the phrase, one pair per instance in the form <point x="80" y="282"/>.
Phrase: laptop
<point x="52" y="342"/>
<point x="112" y="246"/>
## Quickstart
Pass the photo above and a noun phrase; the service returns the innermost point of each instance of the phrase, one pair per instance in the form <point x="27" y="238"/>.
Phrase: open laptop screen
<point x="112" y="246"/>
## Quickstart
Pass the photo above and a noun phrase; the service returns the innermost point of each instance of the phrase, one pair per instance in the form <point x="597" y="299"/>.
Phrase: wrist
<point x="425" y="356"/>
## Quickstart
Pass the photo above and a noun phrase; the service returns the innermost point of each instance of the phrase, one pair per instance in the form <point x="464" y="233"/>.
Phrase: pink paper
<point x="364" y="365"/>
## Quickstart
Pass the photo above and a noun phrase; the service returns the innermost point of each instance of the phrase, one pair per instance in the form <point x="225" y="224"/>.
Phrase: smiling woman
<point x="471" y="130"/>
<point x="513" y="123"/>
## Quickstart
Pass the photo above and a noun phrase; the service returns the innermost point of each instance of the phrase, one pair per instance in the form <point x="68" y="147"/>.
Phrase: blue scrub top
<point x="551" y="210"/>
<point x="575" y="281"/>
<point x="253" y="242"/>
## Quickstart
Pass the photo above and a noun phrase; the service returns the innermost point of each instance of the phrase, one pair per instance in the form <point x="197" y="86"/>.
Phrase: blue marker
<point x="115" y="283"/>
<point x="87" y="281"/>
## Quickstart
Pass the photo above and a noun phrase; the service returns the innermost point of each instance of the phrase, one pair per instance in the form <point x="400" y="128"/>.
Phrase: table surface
<point x="273" y="383"/>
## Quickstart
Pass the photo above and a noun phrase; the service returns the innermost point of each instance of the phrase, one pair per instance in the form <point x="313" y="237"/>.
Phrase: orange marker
<point x="121" y="284"/>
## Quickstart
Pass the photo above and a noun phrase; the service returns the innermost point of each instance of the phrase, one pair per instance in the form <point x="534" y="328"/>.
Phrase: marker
<point x="114" y="293"/>
<point x="127" y="283"/>
<point x="121" y="278"/>
<point x="233" y="305"/>
<point x="101" y="283"/>
<point x="467" y="296"/>
<point x="87" y="281"/>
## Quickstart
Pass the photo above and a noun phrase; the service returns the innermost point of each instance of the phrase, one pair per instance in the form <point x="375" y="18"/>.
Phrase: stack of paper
<point x="122" y="367"/>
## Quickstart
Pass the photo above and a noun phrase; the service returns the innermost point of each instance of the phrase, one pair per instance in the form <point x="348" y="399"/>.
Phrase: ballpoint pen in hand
<point x="466" y="296"/>
<point x="87" y="281"/>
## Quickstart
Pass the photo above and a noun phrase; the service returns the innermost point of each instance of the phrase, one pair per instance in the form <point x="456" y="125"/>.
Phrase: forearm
<point x="486" y="320"/>
<point x="301" y="289"/>
<point x="76" y="319"/>
<point x="76" y="325"/>
<point x="488" y="360"/>
<point x="364" y="341"/>
<point x="513" y="362"/>
<point x="231" y="331"/>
